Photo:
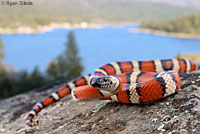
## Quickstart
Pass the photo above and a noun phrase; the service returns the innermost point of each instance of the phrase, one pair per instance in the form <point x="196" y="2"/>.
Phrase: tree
<point x="12" y="83"/>
<point x="5" y="85"/>
<point x="37" y="79"/>
<point x="2" y="67"/>
<point x="187" y="24"/>
<point x="68" y="64"/>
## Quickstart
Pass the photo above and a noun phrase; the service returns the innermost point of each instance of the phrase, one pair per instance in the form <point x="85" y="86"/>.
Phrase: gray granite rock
<point x="177" y="114"/>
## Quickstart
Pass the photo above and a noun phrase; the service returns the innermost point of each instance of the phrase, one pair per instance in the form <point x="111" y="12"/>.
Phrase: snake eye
<point x="106" y="78"/>
<point x="99" y="80"/>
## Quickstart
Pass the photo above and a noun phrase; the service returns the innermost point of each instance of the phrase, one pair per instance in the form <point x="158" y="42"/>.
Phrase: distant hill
<point x="43" y="11"/>
<point x="183" y="3"/>
<point x="187" y="24"/>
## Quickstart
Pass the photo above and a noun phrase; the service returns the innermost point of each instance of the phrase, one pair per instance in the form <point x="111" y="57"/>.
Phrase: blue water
<point x="96" y="47"/>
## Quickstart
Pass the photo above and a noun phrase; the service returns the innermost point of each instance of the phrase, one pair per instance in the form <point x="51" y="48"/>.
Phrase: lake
<point x="97" y="46"/>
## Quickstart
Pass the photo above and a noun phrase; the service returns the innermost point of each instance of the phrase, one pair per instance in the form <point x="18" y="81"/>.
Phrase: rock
<point x="176" y="114"/>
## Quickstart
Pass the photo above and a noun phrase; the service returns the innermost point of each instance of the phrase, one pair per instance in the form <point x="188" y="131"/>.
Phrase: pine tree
<point x="71" y="55"/>
<point x="37" y="79"/>
<point x="68" y="64"/>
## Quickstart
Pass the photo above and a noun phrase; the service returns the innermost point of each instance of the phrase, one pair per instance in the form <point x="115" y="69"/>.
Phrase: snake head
<point x="108" y="83"/>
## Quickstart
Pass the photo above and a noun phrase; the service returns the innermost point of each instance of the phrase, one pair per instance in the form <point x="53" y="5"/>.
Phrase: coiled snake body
<point x="126" y="82"/>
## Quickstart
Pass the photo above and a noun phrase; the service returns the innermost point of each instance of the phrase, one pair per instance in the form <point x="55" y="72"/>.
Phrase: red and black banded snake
<point x="125" y="82"/>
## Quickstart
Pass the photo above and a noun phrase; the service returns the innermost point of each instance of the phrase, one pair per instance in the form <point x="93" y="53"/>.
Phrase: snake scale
<point x="125" y="82"/>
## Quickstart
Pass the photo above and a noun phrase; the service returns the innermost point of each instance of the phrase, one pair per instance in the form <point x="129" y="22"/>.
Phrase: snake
<point x="134" y="82"/>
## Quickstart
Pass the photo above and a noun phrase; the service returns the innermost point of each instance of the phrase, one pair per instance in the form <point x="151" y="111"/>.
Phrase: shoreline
<point x="194" y="57"/>
<point x="53" y="25"/>
<point x="166" y="34"/>
<point x="45" y="28"/>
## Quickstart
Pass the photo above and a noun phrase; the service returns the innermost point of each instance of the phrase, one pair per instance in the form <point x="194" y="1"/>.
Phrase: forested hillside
<point x="183" y="3"/>
<point x="187" y="24"/>
<point x="74" y="11"/>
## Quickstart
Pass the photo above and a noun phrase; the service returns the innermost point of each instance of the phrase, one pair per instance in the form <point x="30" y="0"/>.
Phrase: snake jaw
<point x="108" y="83"/>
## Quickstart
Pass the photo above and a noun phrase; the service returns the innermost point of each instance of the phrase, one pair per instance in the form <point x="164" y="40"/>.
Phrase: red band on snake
<point x="125" y="82"/>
